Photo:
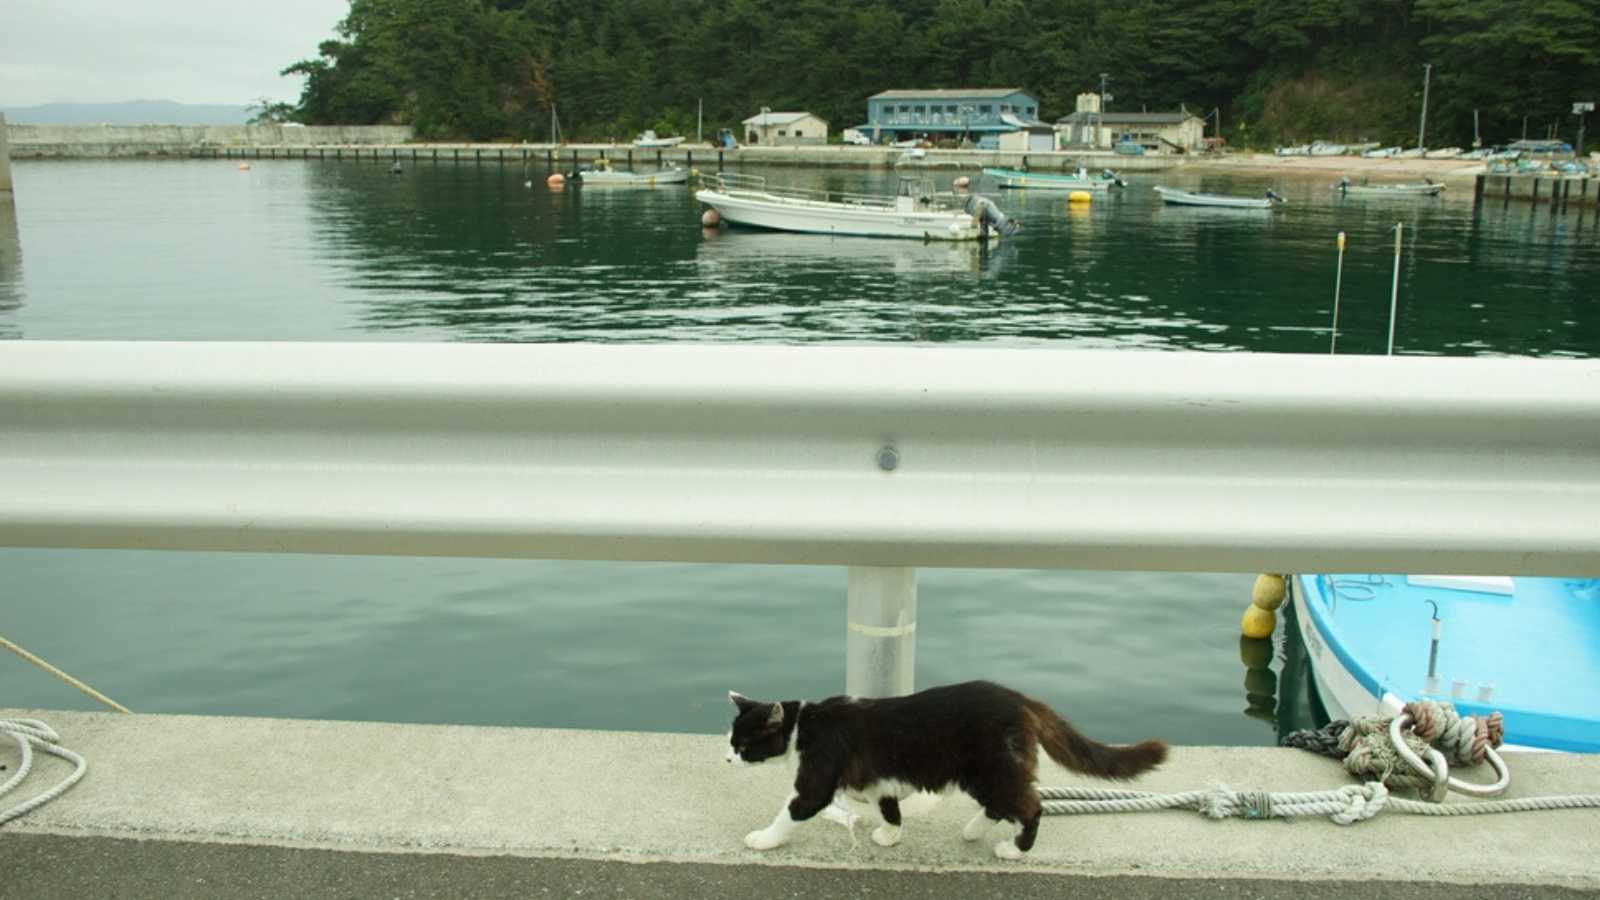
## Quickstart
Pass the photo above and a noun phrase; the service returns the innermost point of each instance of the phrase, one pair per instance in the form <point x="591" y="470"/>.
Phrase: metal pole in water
<point x="1422" y="130"/>
<point x="1338" y="285"/>
<point x="1394" y="294"/>
<point x="881" y="640"/>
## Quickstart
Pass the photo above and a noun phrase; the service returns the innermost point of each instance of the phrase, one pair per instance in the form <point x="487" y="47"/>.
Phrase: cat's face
<point x="759" y="731"/>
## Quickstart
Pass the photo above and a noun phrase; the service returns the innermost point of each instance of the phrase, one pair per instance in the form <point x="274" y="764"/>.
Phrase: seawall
<point x="541" y="797"/>
<point x="94" y="141"/>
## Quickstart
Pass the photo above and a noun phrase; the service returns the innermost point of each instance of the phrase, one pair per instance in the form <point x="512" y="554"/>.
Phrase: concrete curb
<point x="669" y="797"/>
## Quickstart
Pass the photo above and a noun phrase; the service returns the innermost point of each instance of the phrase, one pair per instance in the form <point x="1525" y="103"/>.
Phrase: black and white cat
<point x="978" y="737"/>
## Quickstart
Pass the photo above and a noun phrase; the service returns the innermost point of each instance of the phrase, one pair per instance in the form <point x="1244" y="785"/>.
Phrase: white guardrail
<point x="834" y="455"/>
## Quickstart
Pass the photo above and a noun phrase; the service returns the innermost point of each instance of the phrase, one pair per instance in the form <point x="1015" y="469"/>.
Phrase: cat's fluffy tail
<point x="1067" y="746"/>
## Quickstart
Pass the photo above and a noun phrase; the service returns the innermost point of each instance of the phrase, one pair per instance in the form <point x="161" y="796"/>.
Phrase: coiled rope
<point x="31" y="733"/>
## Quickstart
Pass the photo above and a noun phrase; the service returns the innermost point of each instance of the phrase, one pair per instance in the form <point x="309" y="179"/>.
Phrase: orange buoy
<point x="556" y="181"/>
<point x="244" y="167"/>
<point x="710" y="218"/>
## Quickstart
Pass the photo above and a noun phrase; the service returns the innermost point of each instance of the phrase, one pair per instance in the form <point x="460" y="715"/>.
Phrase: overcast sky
<point x="191" y="51"/>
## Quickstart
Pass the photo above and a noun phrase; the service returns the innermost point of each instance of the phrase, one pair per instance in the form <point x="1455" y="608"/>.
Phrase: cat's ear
<point x="776" y="717"/>
<point x="741" y="701"/>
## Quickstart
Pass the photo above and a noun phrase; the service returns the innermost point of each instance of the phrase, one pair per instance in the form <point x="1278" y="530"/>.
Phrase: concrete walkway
<point x="184" y="786"/>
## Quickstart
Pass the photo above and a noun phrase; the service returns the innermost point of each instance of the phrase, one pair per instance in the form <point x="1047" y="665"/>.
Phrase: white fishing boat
<point x="648" y="139"/>
<point x="1177" y="197"/>
<point x="1299" y="150"/>
<point x="1413" y="153"/>
<point x="917" y="211"/>
<point x="1381" y="152"/>
<point x="1443" y="153"/>
<point x="1323" y="148"/>
<point x="603" y="174"/>
<point x="1425" y="188"/>
<point x="1080" y="180"/>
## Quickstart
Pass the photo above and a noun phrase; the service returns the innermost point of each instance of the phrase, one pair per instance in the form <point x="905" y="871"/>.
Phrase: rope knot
<point x="1361" y="802"/>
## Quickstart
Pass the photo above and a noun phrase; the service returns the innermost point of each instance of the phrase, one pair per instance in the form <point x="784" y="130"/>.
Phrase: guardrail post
<point x="881" y="635"/>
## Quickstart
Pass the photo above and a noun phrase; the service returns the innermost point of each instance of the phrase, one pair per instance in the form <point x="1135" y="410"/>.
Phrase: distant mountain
<point x="132" y="112"/>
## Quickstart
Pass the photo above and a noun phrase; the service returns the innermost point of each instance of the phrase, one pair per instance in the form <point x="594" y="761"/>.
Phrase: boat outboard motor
<point x="1273" y="195"/>
<point x="990" y="216"/>
<point x="1111" y="176"/>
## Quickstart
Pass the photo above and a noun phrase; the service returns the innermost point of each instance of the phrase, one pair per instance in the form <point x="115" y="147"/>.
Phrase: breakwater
<point x="100" y="141"/>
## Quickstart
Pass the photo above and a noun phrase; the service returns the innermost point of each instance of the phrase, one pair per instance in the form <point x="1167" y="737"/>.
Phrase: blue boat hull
<point x="1527" y="647"/>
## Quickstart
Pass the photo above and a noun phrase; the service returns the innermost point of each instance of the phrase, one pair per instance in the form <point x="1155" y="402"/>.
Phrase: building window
<point x="797" y="133"/>
<point x="782" y="133"/>
<point x="986" y="109"/>
<point x="1031" y="110"/>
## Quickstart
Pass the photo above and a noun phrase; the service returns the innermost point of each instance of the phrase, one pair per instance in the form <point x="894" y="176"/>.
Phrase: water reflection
<point x="10" y="269"/>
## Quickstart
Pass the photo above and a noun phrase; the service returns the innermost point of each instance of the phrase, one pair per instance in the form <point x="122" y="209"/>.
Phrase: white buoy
<point x="710" y="218"/>
<point x="961" y="183"/>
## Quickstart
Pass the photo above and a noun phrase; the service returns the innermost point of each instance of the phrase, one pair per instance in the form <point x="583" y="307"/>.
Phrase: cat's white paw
<point x="886" y="835"/>
<point x="1007" y="850"/>
<point x="763" y="839"/>
<point x="976" y="827"/>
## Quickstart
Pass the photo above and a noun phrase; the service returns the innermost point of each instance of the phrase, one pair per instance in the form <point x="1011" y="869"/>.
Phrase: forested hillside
<point x="1279" y="70"/>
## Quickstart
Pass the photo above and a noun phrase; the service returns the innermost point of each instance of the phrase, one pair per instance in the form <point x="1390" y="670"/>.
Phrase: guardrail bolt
<point x="888" y="459"/>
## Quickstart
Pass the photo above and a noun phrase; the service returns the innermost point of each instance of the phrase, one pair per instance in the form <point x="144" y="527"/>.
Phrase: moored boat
<point x="1080" y="180"/>
<point x="1381" y="152"/>
<point x="917" y="211"/>
<point x="1425" y="188"/>
<point x="602" y="173"/>
<point x="1177" y="197"/>
<point x="1528" y="648"/>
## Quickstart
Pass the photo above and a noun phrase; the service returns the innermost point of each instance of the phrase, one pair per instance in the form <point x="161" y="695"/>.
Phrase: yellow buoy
<point x="1268" y="592"/>
<point x="1080" y="197"/>
<point x="1258" y="622"/>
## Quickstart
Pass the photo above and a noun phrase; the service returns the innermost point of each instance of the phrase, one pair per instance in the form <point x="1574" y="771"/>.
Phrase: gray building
<point x="1156" y="132"/>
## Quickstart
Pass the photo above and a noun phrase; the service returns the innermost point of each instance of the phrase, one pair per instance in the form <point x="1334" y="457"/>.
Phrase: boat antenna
<point x="1431" y="686"/>
<point x="1338" y="287"/>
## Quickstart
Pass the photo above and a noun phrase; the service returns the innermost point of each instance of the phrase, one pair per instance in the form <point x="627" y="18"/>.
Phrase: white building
<point x="1156" y="132"/>
<point x="785" y="129"/>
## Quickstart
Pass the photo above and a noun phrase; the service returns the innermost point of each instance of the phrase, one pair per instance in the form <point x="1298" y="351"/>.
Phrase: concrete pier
<point x="1547" y="189"/>
<point x="5" y="161"/>
<point x="253" y="803"/>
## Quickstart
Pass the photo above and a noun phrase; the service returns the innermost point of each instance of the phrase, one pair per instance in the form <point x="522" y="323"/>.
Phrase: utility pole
<point x="1422" y="130"/>
<point x="1100" y="112"/>
<point x="700" y="122"/>
<point x="1581" y="110"/>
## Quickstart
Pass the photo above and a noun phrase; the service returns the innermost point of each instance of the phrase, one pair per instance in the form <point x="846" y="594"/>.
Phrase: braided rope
<point x="1345" y="806"/>
<point x="31" y="733"/>
<point x="52" y="670"/>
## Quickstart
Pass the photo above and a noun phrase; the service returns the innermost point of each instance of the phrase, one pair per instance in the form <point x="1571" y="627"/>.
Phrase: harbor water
<point x="344" y="251"/>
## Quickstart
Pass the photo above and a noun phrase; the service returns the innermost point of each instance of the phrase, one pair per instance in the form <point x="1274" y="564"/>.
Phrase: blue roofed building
<point x="982" y="115"/>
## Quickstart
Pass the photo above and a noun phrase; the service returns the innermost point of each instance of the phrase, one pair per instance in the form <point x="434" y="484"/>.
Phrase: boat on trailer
<point x="1080" y="180"/>
<point x="1176" y="197"/>
<point x="1528" y="648"/>
<point x="1425" y="188"/>
<point x="916" y="211"/>
<point x="648" y="139"/>
<point x="603" y="174"/>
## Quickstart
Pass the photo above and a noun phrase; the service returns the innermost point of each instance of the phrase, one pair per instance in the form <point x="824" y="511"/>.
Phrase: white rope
<point x="1345" y="806"/>
<point x="30" y="733"/>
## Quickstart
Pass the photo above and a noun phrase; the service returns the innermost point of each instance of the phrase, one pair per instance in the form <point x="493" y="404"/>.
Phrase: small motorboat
<point x="1177" y="197"/>
<point x="1528" y="648"/>
<point x="602" y="173"/>
<point x="1426" y="188"/>
<point x="648" y="139"/>
<point x="1080" y="180"/>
